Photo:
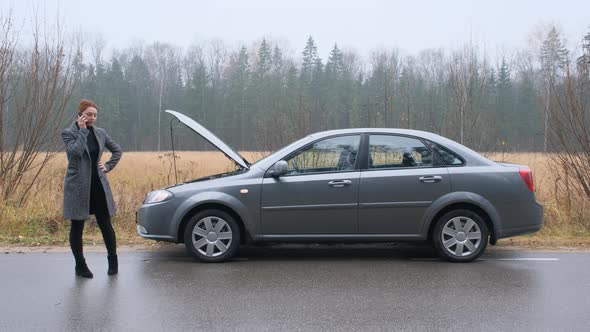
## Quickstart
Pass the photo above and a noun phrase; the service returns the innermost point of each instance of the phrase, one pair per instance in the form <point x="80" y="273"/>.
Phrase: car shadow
<point x="385" y="251"/>
<point x="313" y="251"/>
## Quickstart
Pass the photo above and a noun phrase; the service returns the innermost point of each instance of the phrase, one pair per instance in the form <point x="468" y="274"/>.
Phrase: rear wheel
<point x="212" y="236"/>
<point x="460" y="236"/>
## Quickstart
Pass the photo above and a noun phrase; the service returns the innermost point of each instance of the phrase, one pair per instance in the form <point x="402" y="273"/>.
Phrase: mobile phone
<point x="80" y="114"/>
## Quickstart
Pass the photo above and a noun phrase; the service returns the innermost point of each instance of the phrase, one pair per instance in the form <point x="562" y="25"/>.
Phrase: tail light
<point x="527" y="176"/>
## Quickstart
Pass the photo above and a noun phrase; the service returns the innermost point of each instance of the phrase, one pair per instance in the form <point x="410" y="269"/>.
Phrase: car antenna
<point x="173" y="154"/>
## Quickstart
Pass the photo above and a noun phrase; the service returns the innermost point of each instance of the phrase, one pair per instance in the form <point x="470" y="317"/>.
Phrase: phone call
<point x="80" y="114"/>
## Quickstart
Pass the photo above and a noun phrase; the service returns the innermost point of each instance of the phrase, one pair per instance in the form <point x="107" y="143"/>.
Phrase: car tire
<point x="460" y="236"/>
<point x="212" y="236"/>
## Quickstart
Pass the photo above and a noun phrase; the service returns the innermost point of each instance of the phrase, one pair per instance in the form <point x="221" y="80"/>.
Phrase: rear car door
<point x="398" y="184"/>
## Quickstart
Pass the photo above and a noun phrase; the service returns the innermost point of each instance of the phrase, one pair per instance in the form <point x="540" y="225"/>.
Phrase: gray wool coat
<point x="78" y="176"/>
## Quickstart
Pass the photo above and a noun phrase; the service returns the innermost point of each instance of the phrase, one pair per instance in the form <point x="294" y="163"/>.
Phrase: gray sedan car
<point x="349" y="185"/>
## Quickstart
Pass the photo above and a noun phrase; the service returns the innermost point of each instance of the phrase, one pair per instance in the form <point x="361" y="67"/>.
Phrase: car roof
<point x="471" y="157"/>
<point x="399" y="131"/>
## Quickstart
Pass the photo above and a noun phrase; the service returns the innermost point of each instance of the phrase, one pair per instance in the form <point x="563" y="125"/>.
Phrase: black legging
<point x="106" y="228"/>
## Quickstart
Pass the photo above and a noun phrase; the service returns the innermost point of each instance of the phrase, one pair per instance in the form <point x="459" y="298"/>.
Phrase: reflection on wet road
<point x="377" y="287"/>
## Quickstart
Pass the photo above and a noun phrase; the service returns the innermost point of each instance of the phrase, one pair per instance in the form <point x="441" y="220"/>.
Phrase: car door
<point x="398" y="185"/>
<point x="319" y="195"/>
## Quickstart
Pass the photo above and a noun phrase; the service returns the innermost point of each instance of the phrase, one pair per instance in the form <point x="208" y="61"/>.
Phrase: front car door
<point x="319" y="195"/>
<point x="398" y="185"/>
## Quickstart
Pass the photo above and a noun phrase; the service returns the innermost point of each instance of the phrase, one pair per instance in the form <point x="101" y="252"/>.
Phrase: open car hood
<point x="206" y="134"/>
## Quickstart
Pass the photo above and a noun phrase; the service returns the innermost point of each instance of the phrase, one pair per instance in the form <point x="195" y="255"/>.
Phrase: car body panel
<point x="502" y="187"/>
<point x="166" y="217"/>
<point x="394" y="201"/>
<point x="209" y="136"/>
<point x="458" y="197"/>
<point x="307" y="204"/>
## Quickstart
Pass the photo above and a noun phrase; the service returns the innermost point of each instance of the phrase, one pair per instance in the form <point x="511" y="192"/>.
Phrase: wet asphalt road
<point x="378" y="287"/>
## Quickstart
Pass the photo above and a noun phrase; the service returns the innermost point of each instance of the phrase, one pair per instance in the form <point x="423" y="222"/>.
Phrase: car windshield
<point x="285" y="148"/>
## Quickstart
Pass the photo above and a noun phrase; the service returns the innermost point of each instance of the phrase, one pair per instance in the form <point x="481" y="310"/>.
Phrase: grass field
<point x="567" y="217"/>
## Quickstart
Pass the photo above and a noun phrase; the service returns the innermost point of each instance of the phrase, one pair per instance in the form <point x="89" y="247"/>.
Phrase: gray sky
<point x="362" y="25"/>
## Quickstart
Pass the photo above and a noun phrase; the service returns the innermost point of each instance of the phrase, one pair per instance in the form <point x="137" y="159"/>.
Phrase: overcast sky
<point x="362" y="25"/>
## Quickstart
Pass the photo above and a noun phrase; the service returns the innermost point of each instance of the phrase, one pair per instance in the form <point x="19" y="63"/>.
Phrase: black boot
<point x="113" y="265"/>
<point x="82" y="269"/>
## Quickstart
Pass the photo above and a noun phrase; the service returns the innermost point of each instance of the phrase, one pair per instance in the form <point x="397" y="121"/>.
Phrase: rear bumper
<point x="518" y="231"/>
<point x="526" y="220"/>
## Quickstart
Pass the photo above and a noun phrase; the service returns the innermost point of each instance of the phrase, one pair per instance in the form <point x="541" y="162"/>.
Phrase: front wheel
<point x="460" y="236"/>
<point x="212" y="236"/>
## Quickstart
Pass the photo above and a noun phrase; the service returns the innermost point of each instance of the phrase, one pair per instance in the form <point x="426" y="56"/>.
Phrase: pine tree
<point x="504" y="81"/>
<point x="553" y="55"/>
<point x="317" y="93"/>
<point x="140" y="87"/>
<point x="583" y="61"/>
<point x="264" y="60"/>
<point x="335" y="62"/>
<point x="504" y="102"/>
<point x="277" y="61"/>
<point x="238" y="80"/>
<point x="310" y="57"/>
<point x="334" y="97"/>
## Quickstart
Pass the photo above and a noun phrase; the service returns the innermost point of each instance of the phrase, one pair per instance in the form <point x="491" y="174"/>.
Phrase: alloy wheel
<point x="212" y="236"/>
<point x="461" y="236"/>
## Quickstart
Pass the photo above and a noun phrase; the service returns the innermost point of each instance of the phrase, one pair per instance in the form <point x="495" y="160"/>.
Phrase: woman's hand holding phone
<point x="81" y="120"/>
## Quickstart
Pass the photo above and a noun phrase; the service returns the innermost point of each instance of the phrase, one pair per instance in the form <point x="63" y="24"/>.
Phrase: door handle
<point x="339" y="183"/>
<point x="430" y="179"/>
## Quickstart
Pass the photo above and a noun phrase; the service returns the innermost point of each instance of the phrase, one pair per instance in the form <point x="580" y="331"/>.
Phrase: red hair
<point x="85" y="103"/>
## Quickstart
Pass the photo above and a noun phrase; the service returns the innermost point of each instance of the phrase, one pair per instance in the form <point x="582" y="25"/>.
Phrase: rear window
<point x="390" y="151"/>
<point x="446" y="156"/>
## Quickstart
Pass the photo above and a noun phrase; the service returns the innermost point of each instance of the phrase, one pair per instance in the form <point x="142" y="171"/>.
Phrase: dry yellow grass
<point x="40" y="220"/>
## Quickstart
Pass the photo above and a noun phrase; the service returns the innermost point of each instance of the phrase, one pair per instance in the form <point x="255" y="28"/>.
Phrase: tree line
<point x="258" y="98"/>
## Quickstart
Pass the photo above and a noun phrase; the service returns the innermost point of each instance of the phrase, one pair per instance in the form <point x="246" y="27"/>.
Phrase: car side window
<point x="446" y="156"/>
<point x="390" y="151"/>
<point x="334" y="154"/>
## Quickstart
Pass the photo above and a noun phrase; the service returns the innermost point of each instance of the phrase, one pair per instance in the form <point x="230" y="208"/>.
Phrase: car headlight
<point x="158" y="196"/>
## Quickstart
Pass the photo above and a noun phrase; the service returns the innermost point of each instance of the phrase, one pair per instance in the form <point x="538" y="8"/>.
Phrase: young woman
<point x="86" y="188"/>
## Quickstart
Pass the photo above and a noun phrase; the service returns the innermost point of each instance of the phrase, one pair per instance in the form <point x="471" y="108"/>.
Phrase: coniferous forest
<point x="257" y="98"/>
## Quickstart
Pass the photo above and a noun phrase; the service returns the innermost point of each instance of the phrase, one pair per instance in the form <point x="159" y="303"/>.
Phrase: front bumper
<point x="154" y="222"/>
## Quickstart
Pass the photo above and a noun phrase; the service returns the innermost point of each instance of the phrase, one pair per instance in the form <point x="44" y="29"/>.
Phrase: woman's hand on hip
<point x="102" y="166"/>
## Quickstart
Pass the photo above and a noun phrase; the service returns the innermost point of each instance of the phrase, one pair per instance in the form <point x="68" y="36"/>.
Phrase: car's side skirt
<point x="340" y="237"/>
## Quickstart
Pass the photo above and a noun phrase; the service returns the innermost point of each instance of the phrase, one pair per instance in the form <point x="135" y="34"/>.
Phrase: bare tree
<point x="33" y="106"/>
<point x="8" y="41"/>
<point x="407" y="92"/>
<point x="553" y="58"/>
<point x="432" y="68"/>
<point x="216" y="57"/>
<point x="467" y="79"/>
<point x="351" y="69"/>
<point x="97" y="48"/>
<point x="570" y="131"/>
<point x="161" y="57"/>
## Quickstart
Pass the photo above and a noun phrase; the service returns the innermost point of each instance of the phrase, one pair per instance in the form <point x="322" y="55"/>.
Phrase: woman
<point x="86" y="188"/>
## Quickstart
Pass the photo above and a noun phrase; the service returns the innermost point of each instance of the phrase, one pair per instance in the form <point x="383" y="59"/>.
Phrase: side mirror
<point x="279" y="169"/>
